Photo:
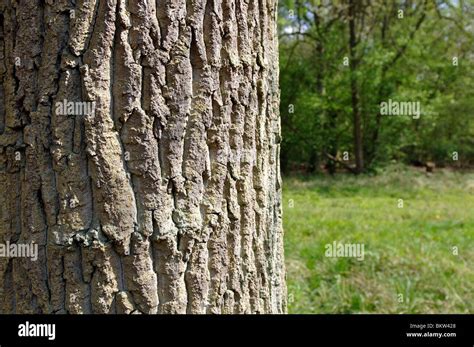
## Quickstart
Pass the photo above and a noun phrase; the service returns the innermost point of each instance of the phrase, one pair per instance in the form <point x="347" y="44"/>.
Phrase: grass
<point x="409" y="265"/>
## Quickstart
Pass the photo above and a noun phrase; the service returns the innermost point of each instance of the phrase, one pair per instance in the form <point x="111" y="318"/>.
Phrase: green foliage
<point x="404" y="59"/>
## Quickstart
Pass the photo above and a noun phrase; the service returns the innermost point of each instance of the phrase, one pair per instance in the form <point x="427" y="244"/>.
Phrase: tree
<point x="340" y="60"/>
<point x="357" y="125"/>
<point x="139" y="149"/>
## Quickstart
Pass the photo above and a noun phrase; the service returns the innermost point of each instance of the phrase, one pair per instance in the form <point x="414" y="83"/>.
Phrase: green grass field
<point x="409" y="265"/>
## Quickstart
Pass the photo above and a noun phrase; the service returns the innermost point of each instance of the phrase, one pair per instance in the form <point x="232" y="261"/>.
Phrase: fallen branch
<point x="339" y="161"/>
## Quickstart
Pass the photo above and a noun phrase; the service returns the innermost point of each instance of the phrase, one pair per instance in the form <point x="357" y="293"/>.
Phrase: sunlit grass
<point x="408" y="251"/>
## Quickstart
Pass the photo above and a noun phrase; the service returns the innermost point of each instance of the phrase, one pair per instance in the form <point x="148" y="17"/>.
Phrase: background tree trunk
<point x="165" y="199"/>
<point x="357" y="121"/>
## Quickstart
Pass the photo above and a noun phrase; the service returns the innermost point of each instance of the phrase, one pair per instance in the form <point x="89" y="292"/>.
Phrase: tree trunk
<point x="357" y="122"/>
<point x="165" y="197"/>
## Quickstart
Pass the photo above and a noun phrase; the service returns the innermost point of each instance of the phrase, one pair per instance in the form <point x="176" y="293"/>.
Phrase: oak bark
<point x="166" y="198"/>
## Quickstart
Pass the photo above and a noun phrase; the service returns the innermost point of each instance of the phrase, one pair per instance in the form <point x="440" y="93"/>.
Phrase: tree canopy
<point x="340" y="60"/>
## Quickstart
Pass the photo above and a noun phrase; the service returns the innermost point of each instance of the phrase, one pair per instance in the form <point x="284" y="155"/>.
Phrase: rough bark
<point x="167" y="198"/>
